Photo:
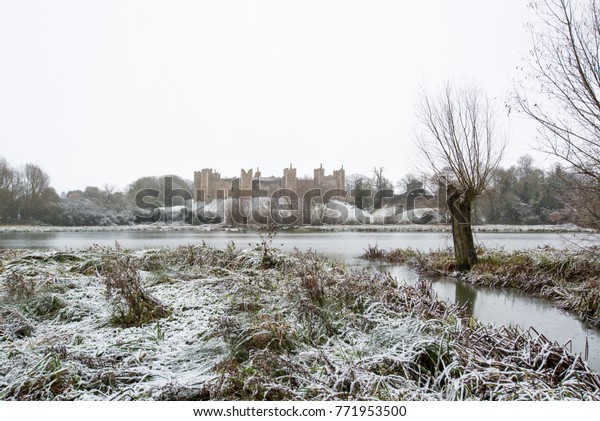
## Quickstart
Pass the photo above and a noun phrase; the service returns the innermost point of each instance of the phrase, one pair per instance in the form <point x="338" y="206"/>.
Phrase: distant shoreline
<point x="300" y="229"/>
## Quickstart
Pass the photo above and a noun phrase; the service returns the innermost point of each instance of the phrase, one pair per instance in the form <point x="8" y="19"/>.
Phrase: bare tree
<point x="109" y="191"/>
<point x="458" y="138"/>
<point x="561" y="91"/>
<point x="10" y="190"/>
<point x="410" y="182"/>
<point x="380" y="181"/>
<point x="35" y="184"/>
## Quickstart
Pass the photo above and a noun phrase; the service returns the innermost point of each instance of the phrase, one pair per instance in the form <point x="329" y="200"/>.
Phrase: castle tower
<point x="246" y="180"/>
<point x="290" y="180"/>
<point x="197" y="194"/>
<point x="204" y="190"/>
<point x="319" y="175"/>
<point x="340" y="178"/>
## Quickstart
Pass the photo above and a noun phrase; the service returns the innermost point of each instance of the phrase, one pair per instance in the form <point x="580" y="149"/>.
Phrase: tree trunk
<point x="459" y="206"/>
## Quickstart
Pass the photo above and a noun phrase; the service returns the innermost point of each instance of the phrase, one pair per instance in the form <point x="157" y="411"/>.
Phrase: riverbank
<point x="197" y="322"/>
<point x="569" y="277"/>
<point x="161" y="227"/>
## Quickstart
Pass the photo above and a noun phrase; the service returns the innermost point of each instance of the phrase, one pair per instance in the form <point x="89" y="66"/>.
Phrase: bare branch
<point x="563" y="95"/>
<point x="458" y="131"/>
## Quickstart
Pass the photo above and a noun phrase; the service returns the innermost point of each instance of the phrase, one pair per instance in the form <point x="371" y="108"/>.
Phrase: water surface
<point x="343" y="244"/>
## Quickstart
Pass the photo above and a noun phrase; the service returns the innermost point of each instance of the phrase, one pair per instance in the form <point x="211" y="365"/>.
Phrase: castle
<point x="209" y="185"/>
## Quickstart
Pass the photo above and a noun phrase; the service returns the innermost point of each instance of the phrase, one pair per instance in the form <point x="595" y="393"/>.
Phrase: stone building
<point x="209" y="185"/>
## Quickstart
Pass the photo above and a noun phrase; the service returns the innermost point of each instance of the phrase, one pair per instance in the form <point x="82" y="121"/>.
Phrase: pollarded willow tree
<point x="561" y="91"/>
<point x="459" y="139"/>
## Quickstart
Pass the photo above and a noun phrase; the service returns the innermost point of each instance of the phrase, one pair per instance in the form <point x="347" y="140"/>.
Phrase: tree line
<point x="26" y="197"/>
<point x="25" y="193"/>
<point x="516" y="195"/>
<point x="527" y="195"/>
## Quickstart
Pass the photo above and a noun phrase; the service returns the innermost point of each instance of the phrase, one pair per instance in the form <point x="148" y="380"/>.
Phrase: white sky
<point x="106" y="91"/>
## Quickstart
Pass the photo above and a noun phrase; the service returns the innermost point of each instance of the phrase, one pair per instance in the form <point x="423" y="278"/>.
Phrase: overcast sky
<point x="105" y="91"/>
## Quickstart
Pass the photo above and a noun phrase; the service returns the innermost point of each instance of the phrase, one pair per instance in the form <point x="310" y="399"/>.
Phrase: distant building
<point x="209" y="185"/>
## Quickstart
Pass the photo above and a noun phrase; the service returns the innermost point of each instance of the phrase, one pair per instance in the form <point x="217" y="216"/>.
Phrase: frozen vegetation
<point x="197" y="322"/>
<point x="568" y="277"/>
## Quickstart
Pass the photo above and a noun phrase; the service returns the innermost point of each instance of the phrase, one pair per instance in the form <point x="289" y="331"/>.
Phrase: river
<point x="490" y="305"/>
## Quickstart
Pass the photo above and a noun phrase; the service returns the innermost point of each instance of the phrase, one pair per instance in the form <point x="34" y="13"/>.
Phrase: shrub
<point x="265" y="247"/>
<point x="131" y="304"/>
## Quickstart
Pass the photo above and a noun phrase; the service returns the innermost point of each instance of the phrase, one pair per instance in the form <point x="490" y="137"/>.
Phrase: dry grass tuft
<point x="131" y="304"/>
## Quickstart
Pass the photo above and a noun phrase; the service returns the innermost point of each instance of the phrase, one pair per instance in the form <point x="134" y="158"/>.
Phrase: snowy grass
<point x="258" y="324"/>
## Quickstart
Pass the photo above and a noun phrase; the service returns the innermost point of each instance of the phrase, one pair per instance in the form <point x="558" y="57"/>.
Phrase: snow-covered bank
<point x="158" y="227"/>
<point x="162" y="227"/>
<point x="447" y="228"/>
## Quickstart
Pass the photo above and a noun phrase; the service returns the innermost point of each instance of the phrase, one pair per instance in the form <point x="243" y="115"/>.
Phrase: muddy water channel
<point x="490" y="305"/>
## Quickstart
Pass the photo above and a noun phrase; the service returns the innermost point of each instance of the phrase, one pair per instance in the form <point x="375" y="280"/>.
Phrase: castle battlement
<point x="209" y="185"/>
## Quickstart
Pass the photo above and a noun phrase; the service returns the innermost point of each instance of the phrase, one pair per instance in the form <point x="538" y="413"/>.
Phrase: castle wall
<point x="208" y="182"/>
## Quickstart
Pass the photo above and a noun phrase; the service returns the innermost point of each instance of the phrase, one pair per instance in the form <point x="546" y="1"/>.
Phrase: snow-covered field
<point x="256" y="324"/>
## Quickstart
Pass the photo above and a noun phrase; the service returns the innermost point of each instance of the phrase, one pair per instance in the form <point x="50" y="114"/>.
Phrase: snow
<point x="78" y="354"/>
<point x="137" y="352"/>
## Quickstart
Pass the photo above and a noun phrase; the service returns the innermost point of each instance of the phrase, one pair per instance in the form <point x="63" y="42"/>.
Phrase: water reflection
<point x="511" y="308"/>
<point x="465" y="296"/>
